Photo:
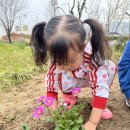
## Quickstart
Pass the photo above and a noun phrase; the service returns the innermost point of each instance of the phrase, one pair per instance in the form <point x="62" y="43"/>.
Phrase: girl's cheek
<point x="77" y="65"/>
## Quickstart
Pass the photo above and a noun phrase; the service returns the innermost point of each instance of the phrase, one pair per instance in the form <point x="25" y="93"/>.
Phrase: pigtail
<point x="99" y="42"/>
<point x="38" y="44"/>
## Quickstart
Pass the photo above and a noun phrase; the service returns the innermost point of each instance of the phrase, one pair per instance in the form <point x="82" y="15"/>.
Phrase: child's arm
<point x="94" y="119"/>
<point x="52" y="82"/>
<point x="124" y="71"/>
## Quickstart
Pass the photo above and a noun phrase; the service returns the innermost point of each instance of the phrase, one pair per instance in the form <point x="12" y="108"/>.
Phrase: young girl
<point x="74" y="61"/>
<point x="124" y="73"/>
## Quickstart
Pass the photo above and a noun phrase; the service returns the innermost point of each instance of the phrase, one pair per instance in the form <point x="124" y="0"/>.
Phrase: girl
<point x="124" y="73"/>
<point x="75" y="61"/>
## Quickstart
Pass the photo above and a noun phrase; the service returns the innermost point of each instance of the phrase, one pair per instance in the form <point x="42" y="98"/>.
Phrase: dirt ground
<point x="17" y="105"/>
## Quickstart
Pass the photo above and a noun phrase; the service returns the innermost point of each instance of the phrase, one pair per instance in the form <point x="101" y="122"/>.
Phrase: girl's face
<point x="74" y="61"/>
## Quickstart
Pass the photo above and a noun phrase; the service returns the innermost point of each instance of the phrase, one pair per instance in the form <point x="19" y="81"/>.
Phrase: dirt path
<point x="17" y="105"/>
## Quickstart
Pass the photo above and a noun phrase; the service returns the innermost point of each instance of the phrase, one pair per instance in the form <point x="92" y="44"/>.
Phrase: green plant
<point x="25" y="127"/>
<point x="62" y="117"/>
<point x="68" y="119"/>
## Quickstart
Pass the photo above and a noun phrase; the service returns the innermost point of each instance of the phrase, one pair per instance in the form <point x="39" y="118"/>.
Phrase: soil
<point x="17" y="105"/>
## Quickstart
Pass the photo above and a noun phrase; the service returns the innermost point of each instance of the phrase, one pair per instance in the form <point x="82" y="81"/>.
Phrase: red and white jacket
<point x="100" y="79"/>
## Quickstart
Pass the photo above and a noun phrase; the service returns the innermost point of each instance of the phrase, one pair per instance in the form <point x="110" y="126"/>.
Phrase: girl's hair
<point x="100" y="47"/>
<point x="63" y="32"/>
<point x="38" y="43"/>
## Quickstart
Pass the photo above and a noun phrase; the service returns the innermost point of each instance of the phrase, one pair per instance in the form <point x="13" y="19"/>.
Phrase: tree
<point x="80" y="7"/>
<point x="8" y="11"/>
<point x="76" y="8"/>
<point x="93" y="9"/>
<point x="116" y="9"/>
<point x="51" y="9"/>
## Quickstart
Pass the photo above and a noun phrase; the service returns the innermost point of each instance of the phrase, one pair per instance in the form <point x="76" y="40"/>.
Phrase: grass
<point x="117" y="53"/>
<point x="16" y="64"/>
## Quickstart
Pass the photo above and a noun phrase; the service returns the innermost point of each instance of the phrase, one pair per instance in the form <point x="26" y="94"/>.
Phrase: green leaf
<point x="71" y="122"/>
<point x="58" y="128"/>
<point x="50" y="119"/>
<point x="80" y="120"/>
<point x="61" y="125"/>
<point x="75" y="128"/>
<point x="25" y="127"/>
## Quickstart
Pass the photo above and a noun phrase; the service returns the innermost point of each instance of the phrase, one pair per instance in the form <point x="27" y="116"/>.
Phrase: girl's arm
<point x="52" y="82"/>
<point x="95" y="115"/>
<point x="94" y="119"/>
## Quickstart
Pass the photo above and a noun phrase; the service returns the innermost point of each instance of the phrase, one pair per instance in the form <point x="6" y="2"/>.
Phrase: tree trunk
<point x="9" y="37"/>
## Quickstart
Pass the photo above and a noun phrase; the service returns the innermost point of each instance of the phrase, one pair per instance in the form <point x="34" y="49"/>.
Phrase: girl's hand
<point x="90" y="125"/>
<point x="55" y="105"/>
<point x="94" y="119"/>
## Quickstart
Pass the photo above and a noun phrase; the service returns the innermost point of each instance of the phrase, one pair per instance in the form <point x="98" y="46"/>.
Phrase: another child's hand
<point x="90" y="125"/>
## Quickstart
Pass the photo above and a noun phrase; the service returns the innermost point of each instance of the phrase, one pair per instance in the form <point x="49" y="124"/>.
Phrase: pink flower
<point x="40" y="99"/>
<point x="76" y="91"/>
<point x="38" y="112"/>
<point x="49" y="101"/>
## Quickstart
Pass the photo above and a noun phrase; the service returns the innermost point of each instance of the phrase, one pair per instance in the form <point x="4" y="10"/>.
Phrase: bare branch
<point x="93" y="9"/>
<point x="116" y="9"/>
<point x="81" y="7"/>
<point x="71" y="11"/>
<point x="77" y="6"/>
<point x="127" y="13"/>
<point x="61" y="9"/>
